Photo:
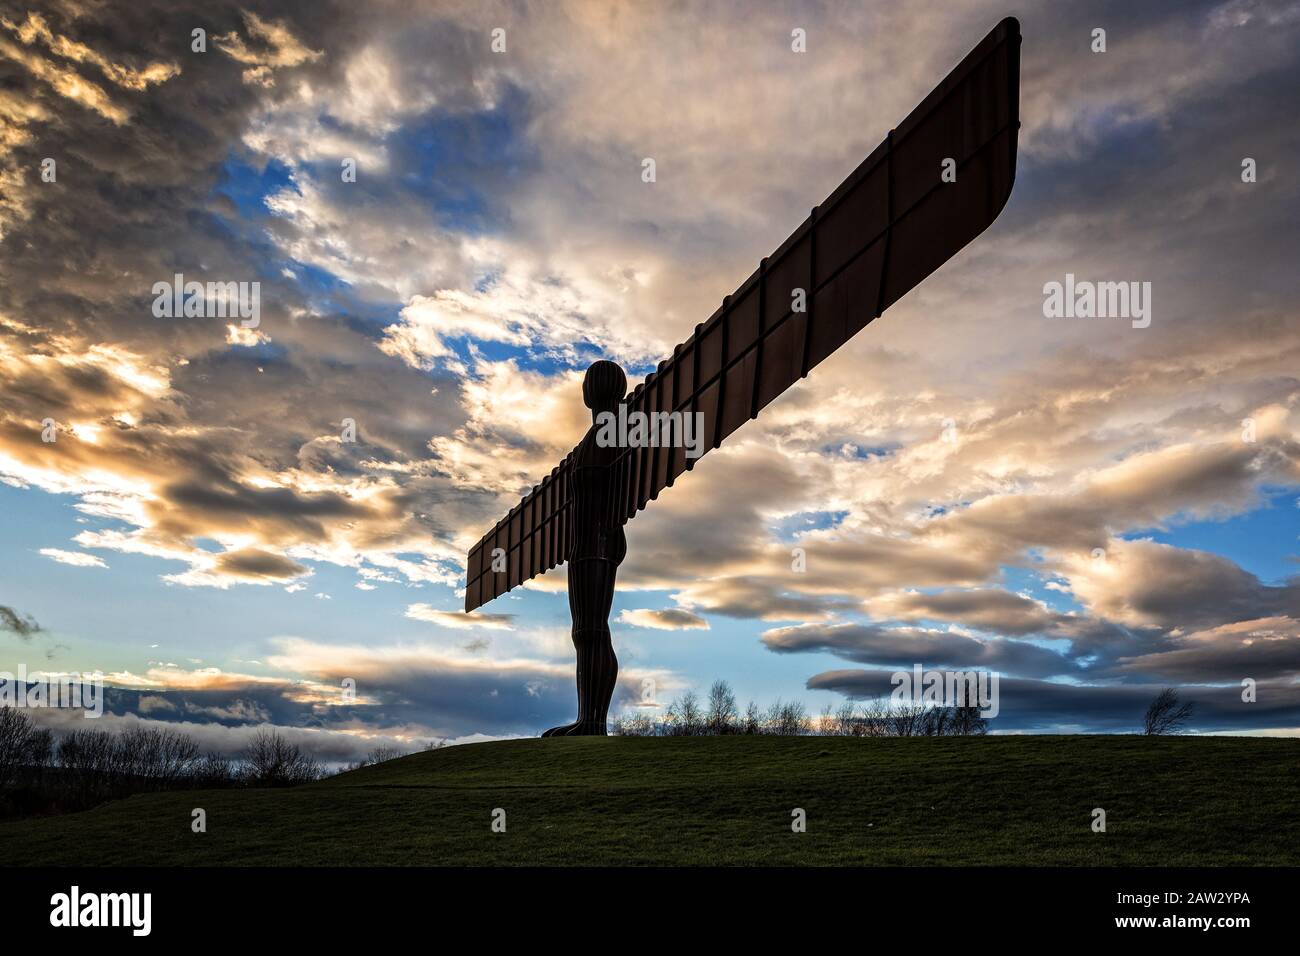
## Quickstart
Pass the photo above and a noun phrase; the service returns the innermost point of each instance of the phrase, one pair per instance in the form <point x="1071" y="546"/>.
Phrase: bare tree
<point x="21" y="744"/>
<point x="272" y="761"/>
<point x="40" y="749"/>
<point x="771" y="717"/>
<point x="684" y="717"/>
<point x="92" y="761"/>
<point x="906" y="720"/>
<point x="155" y="758"/>
<point x="378" y="755"/>
<point x="382" y="754"/>
<point x="825" y="725"/>
<point x="842" y="721"/>
<point x="722" y="709"/>
<point x="96" y="765"/>
<point x="968" y="721"/>
<point x="1167" y="714"/>
<point x="874" y="719"/>
<point x="753" y="720"/>
<point x="637" y="724"/>
<point x="211" y="771"/>
<point x="787" y="719"/>
<point x="101" y="763"/>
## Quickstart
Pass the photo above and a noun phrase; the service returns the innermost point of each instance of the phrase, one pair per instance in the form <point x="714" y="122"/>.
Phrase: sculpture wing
<point x="887" y="227"/>
<point x="533" y="538"/>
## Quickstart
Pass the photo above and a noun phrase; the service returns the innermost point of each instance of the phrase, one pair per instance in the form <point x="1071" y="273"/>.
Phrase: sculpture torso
<point x="596" y="532"/>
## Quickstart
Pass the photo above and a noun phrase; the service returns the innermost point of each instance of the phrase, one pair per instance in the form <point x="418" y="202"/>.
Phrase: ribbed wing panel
<point x="887" y="227"/>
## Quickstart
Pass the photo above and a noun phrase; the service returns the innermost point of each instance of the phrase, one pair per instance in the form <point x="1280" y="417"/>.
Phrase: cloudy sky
<point x="1090" y="509"/>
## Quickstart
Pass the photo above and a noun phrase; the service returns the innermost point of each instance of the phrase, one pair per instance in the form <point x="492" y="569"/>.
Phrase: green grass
<point x="947" y="801"/>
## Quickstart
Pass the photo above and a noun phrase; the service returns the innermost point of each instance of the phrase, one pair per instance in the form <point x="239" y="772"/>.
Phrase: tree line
<point x="39" y="774"/>
<point x="717" y="714"/>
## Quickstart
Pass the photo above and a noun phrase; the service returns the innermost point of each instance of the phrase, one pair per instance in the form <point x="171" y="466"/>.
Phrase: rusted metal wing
<point x="887" y="227"/>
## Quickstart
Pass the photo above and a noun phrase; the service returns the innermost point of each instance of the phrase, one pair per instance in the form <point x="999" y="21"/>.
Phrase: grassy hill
<point x="728" y="800"/>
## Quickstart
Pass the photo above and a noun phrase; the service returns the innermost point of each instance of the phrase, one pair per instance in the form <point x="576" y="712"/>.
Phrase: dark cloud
<point x="1035" y="705"/>
<point x="255" y="563"/>
<point x="664" y="619"/>
<point x="989" y="609"/>
<point x="1259" y="648"/>
<point x="1145" y="582"/>
<point x="417" y="697"/>
<point x="24" y="625"/>
<point x="905" y="646"/>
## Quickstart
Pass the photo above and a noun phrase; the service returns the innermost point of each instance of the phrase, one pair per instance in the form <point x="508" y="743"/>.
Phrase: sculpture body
<point x="599" y="547"/>
<point x="935" y="182"/>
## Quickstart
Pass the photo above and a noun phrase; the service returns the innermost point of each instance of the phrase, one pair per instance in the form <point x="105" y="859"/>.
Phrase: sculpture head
<point x="603" y="387"/>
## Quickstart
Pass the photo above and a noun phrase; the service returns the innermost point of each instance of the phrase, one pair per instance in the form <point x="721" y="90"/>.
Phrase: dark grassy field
<point x="728" y="800"/>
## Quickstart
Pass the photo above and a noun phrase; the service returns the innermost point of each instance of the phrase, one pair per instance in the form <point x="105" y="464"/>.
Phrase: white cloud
<point x="667" y="619"/>
<point x="76" y="558"/>
<point x="459" y="620"/>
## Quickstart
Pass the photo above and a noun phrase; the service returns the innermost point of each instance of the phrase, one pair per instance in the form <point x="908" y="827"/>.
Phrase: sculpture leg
<point x="583" y="683"/>
<point x="591" y="594"/>
<point x="597" y="676"/>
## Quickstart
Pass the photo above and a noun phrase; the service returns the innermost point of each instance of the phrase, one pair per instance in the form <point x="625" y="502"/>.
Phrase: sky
<point x="1092" y="510"/>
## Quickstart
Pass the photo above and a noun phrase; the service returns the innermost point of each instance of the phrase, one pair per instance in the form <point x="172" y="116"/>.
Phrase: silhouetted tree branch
<point x="1167" y="714"/>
